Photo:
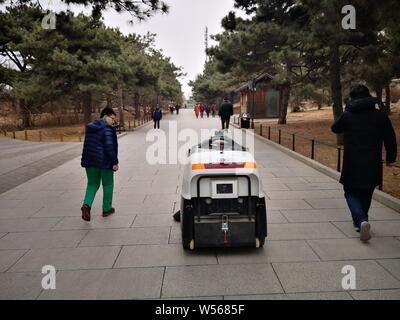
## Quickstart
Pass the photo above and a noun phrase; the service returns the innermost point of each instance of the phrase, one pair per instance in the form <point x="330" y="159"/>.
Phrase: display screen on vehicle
<point x="224" y="188"/>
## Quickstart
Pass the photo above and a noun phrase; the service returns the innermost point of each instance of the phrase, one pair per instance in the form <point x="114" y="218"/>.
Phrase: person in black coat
<point x="100" y="160"/>
<point x="225" y="112"/>
<point x="365" y="130"/>
<point x="157" y="116"/>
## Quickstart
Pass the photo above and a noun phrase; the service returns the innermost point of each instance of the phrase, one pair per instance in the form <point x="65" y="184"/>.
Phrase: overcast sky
<point x="181" y="32"/>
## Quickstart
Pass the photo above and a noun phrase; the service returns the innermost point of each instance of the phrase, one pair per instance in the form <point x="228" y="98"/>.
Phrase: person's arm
<point x="389" y="140"/>
<point x="339" y="126"/>
<point x="109" y="148"/>
<point x="160" y="114"/>
<point x="231" y="109"/>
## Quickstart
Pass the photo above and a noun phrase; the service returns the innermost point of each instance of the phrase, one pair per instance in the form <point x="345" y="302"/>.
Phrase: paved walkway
<point x="137" y="254"/>
<point x="21" y="161"/>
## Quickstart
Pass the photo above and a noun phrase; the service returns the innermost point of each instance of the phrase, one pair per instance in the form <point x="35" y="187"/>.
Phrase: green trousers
<point x="95" y="176"/>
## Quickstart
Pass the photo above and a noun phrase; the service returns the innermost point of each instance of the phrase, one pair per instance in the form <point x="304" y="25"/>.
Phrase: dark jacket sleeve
<point x="110" y="146"/>
<point x="339" y="125"/>
<point x="389" y="139"/>
<point x="231" y="109"/>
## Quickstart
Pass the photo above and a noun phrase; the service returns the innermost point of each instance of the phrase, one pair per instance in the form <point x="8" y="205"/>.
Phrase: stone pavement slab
<point x="20" y="286"/>
<point x="274" y="251"/>
<point x="9" y="257"/>
<point x="295" y="296"/>
<point x="26" y="225"/>
<point x="67" y="259"/>
<point x="135" y="283"/>
<point x="376" y="295"/>
<point x="391" y="265"/>
<point x="154" y="220"/>
<point x="162" y="255"/>
<point x="220" y="280"/>
<point x="42" y="240"/>
<point x="346" y="249"/>
<point x="132" y="236"/>
<point x="378" y="228"/>
<point x="97" y="222"/>
<point x="301" y="231"/>
<point x="327" y="276"/>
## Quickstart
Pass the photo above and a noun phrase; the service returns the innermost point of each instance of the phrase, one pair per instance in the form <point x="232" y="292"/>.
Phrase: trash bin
<point x="245" y="121"/>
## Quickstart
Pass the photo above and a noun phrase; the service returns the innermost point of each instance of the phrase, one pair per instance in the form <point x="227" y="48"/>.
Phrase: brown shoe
<point x="85" y="212"/>
<point x="109" y="213"/>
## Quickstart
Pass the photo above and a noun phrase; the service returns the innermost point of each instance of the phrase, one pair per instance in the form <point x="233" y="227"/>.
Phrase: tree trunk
<point x="136" y="102"/>
<point x="87" y="108"/>
<point x="283" y="106"/>
<point x="25" y="114"/>
<point x="121" y="105"/>
<point x="336" y="86"/>
<point x="388" y="99"/>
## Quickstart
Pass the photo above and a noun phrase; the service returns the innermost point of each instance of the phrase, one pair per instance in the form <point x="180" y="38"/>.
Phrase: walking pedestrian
<point x="365" y="130"/>
<point x="202" y="110"/>
<point x="100" y="160"/>
<point x="225" y="113"/>
<point x="157" y="116"/>
<point x="197" y="110"/>
<point x="208" y="110"/>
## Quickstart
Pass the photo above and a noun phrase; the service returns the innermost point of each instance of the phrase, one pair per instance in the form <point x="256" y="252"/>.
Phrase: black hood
<point x="362" y="105"/>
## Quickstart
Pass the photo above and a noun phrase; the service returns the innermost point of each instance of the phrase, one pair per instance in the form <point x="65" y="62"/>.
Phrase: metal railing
<point x="264" y="129"/>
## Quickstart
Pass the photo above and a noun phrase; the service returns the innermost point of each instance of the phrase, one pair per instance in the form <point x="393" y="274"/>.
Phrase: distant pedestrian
<point x="100" y="160"/>
<point x="197" y="110"/>
<point x="213" y="110"/>
<point x="225" y="113"/>
<point x="177" y="107"/>
<point x="202" y="110"/>
<point x="365" y="130"/>
<point x="171" y="109"/>
<point x="157" y="116"/>
<point x="208" y="110"/>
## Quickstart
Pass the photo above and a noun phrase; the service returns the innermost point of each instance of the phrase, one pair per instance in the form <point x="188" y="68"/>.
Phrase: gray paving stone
<point x="219" y="280"/>
<point x="275" y="187"/>
<point x="136" y="283"/>
<point x="154" y="220"/>
<point x="392" y="265"/>
<point x="17" y="213"/>
<point x="316" y="215"/>
<point x="273" y="251"/>
<point x="275" y="217"/>
<point x="327" y="276"/>
<point x="25" y="225"/>
<point x="284" y="180"/>
<point x="9" y="204"/>
<point x="383" y="214"/>
<point x="286" y="204"/>
<point x="347" y="249"/>
<point x="39" y="240"/>
<point x="163" y="255"/>
<point x="327" y="203"/>
<point x="68" y="259"/>
<point x="175" y="234"/>
<point x="97" y="222"/>
<point x="315" y="186"/>
<point x="301" y="231"/>
<point x="319" y="179"/>
<point x="378" y="228"/>
<point x="295" y="296"/>
<point x="132" y="236"/>
<point x="9" y="257"/>
<point x="20" y="286"/>
<point x="315" y="194"/>
<point x="376" y="295"/>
